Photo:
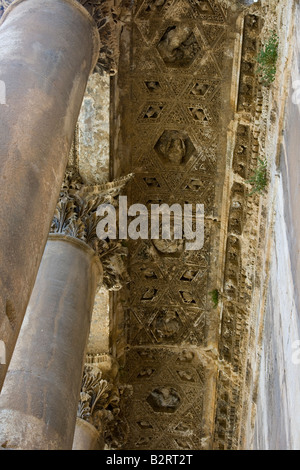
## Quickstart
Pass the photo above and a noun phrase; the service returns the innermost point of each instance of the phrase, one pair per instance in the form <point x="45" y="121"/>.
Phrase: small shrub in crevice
<point x="267" y="58"/>
<point x="215" y="297"/>
<point x="259" y="180"/>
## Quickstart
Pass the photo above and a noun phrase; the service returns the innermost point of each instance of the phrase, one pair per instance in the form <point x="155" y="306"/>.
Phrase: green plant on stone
<point x="267" y="58"/>
<point x="259" y="179"/>
<point x="215" y="297"/>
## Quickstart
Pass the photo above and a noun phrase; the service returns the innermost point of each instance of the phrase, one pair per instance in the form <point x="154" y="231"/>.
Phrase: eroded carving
<point x="164" y="399"/>
<point x="166" y="325"/>
<point x="151" y="7"/>
<point x="178" y="46"/>
<point x="169" y="247"/>
<point x="248" y="84"/>
<point x="174" y="147"/>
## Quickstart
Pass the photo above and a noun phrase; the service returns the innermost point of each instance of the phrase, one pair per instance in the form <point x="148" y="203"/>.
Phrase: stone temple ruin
<point x="141" y="344"/>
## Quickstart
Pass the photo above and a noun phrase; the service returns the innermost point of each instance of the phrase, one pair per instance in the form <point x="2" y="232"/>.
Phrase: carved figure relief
<point x="178" y="46"/>
<point x="166" y="324"/>
<point x="174" y="147"/>
<point x="164" y="399"/>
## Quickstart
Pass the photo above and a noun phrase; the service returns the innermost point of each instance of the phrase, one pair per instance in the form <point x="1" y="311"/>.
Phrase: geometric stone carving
<point x="168" y="390"/>
<point x="151" y="7"/>
<point x="166" y="325"/>
<point x="174" y="108"/>
<point x="199" y="90"/>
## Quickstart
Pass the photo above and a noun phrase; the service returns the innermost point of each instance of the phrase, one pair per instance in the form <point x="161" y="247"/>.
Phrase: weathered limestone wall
<point x="277" y="425"/>
<point x="277" y="422"/>
<point x="90" y="158"/>
<point x="93" y="131"/>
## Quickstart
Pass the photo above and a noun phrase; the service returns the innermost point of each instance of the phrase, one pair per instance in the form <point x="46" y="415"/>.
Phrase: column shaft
<point x="87" y="437"/>
<point x="47" y="50"/>
<point x="39" y="399"/>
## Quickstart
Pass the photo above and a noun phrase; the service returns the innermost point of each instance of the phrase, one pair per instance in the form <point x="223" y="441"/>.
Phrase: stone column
<point x="47" y="50"/>
<point x="39" y="399"/>
<point x="40" y="394"/>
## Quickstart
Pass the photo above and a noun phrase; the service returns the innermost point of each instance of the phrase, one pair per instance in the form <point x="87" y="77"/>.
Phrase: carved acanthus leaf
<point x="94" y="393"/>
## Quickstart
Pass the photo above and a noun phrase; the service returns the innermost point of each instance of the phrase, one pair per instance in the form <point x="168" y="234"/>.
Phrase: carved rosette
<point x="76" y="216"/>
<point x="101" y="403"/>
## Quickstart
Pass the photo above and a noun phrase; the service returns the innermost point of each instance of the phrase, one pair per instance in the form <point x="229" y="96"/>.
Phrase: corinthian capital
<point x="76" y="216"/>
<point x="107" y="17"/>
<point x="101" y="404"/>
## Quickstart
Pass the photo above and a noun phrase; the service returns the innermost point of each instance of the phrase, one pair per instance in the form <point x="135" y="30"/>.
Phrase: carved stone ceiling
<point x="185" y="129"/>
